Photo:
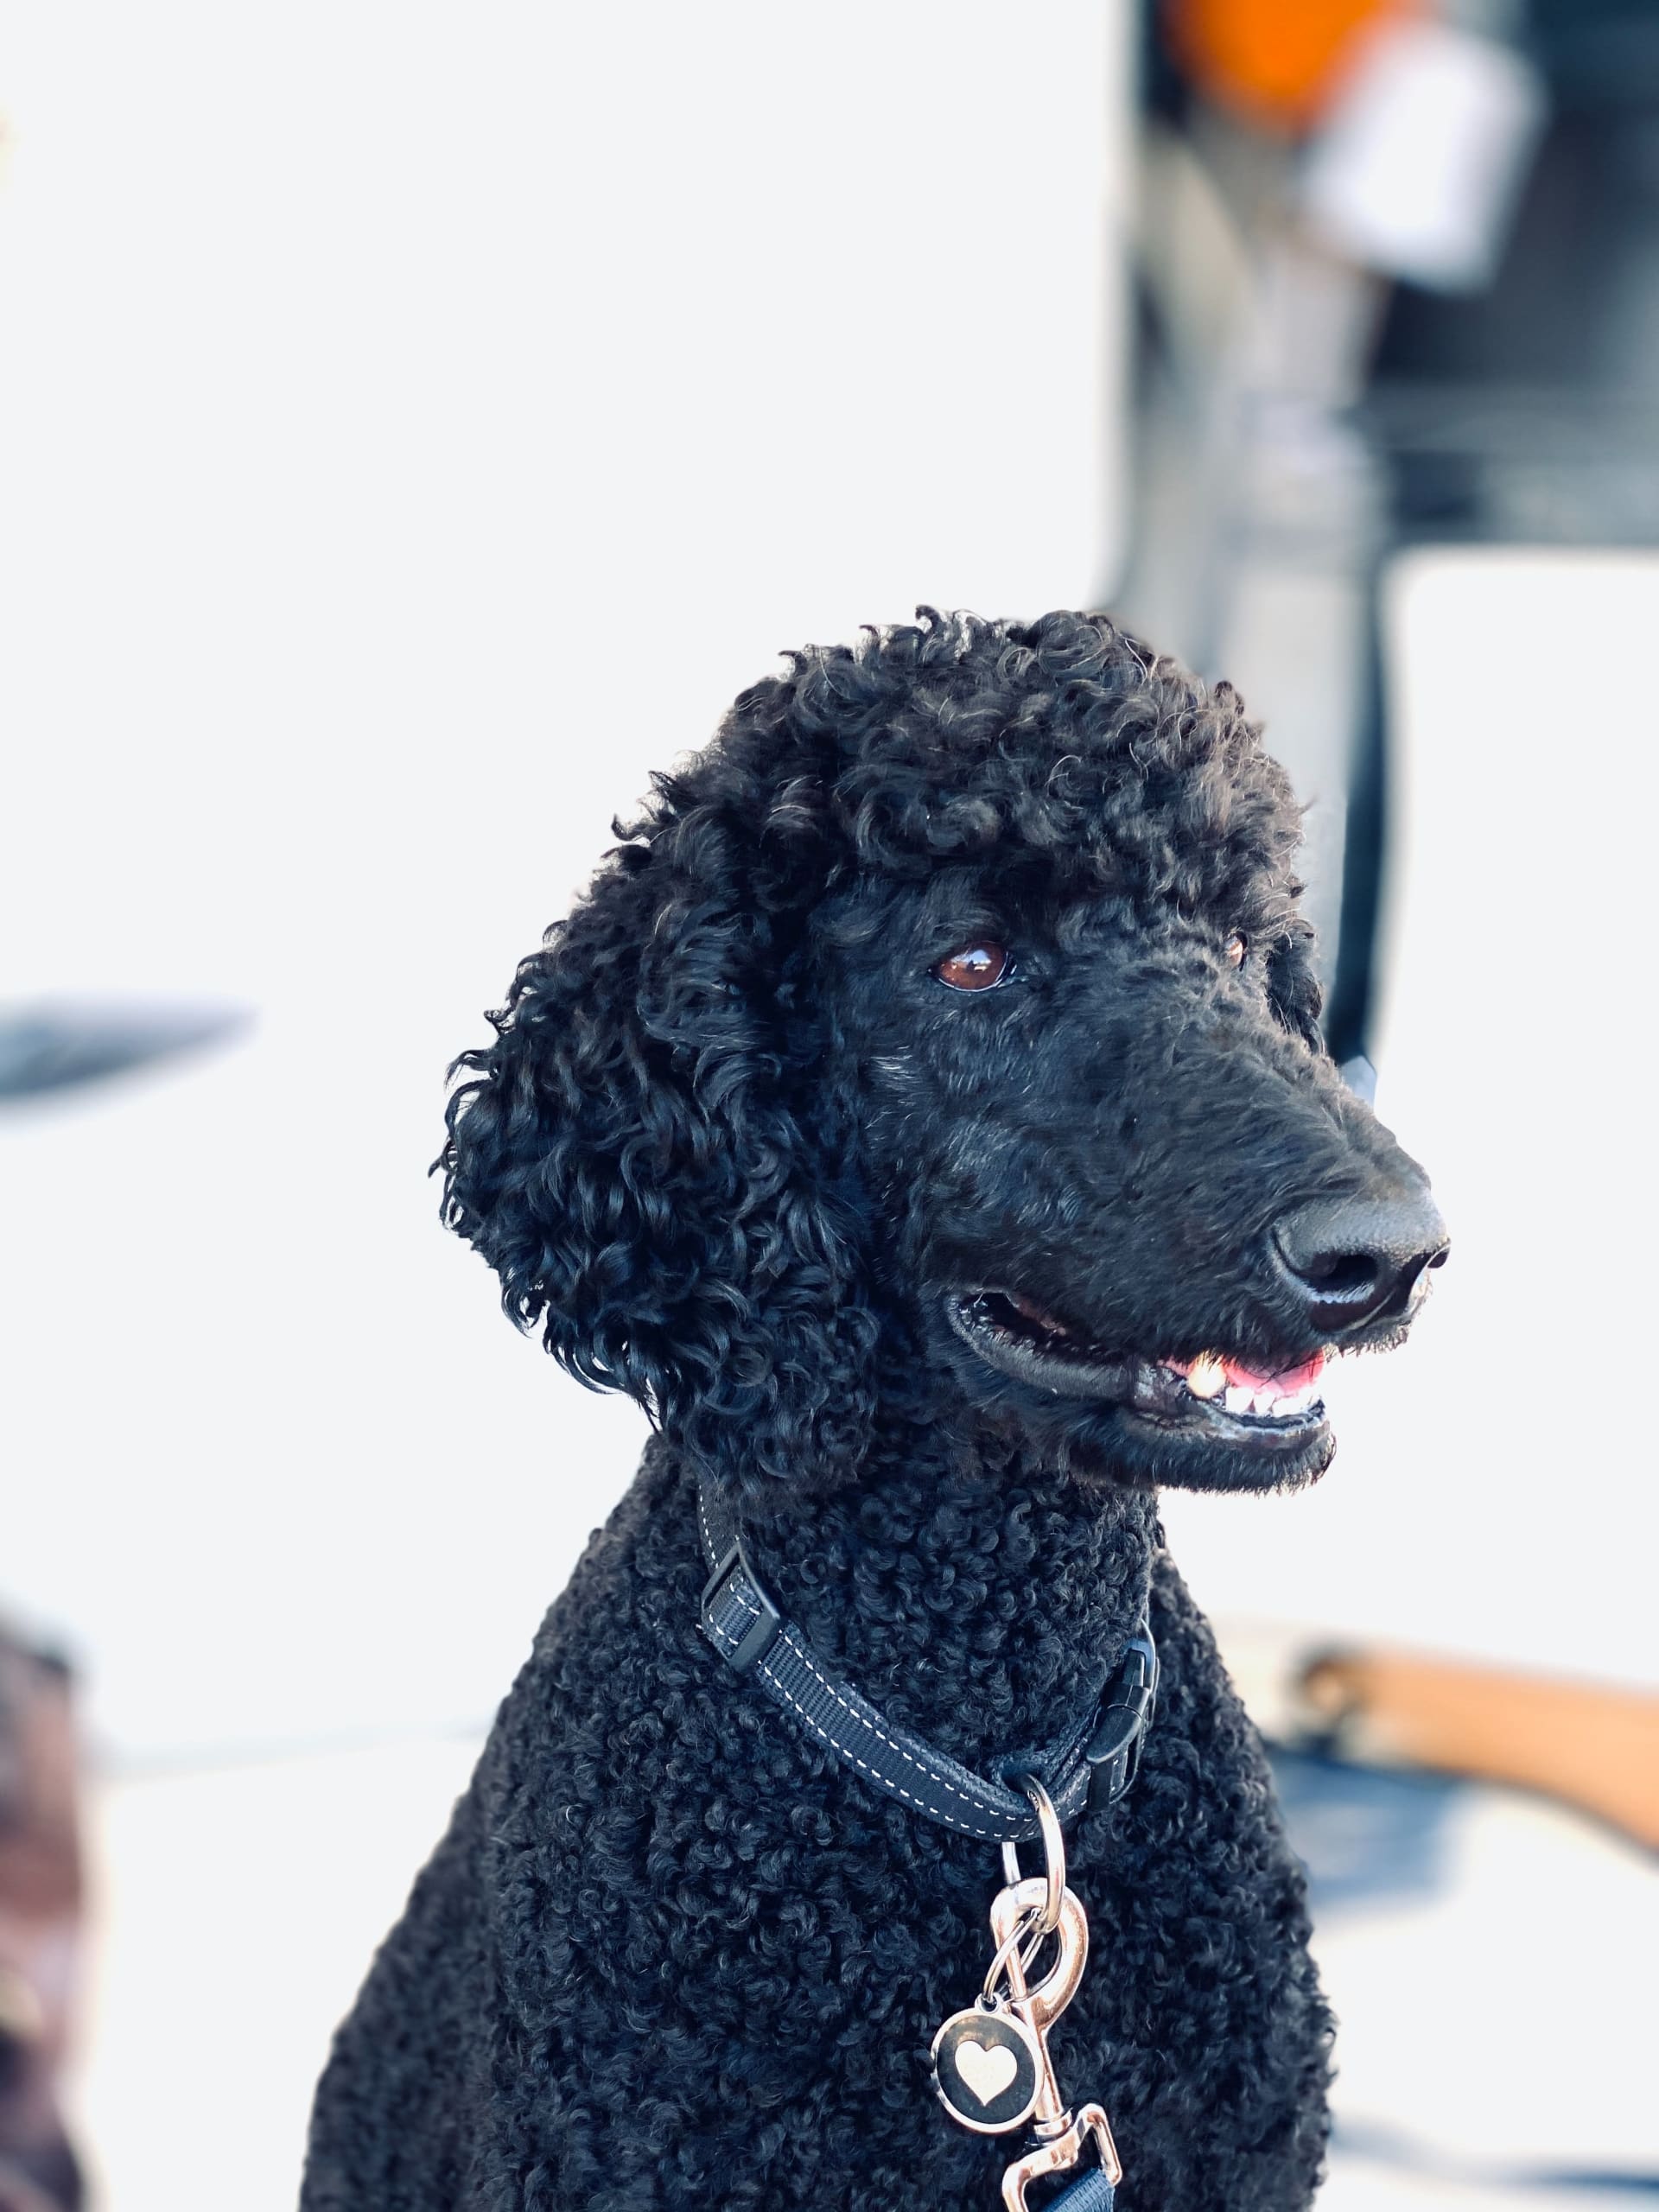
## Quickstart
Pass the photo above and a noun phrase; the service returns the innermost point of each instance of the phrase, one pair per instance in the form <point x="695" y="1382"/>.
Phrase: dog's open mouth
<point x="1212" y="1392"/>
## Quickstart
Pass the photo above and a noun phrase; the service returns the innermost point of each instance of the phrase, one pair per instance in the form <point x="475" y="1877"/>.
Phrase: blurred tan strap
<point x="1593" y="1746"/>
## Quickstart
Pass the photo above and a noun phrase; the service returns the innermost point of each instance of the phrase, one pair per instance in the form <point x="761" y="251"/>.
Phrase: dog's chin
<point x="1207" y="1421"/>
<point x="1150" y="1454"/>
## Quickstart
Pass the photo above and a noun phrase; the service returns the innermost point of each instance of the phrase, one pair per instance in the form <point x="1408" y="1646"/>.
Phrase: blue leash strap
<point x="1094" y="2193"/>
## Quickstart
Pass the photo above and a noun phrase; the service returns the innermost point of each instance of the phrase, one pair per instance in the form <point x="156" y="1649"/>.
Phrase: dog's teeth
<point x="1258" y="1398"/>
<point x="1206" y="1377"/>
<point x="1294" y="1402"/>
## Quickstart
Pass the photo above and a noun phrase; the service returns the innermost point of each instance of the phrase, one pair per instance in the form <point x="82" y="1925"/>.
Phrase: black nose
<point x="1354" y="1260"/>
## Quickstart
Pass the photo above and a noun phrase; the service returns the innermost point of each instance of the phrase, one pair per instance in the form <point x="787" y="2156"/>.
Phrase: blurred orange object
<point x="1275" y="62"/>
<point x="1591" y="1746"/>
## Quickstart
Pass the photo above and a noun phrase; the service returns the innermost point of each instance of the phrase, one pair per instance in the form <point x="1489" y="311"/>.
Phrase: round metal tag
<point x="985" y="2070"/>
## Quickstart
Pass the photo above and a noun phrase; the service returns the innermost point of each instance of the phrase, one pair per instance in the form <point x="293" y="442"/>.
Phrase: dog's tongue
<point x="1284" y="1383"/>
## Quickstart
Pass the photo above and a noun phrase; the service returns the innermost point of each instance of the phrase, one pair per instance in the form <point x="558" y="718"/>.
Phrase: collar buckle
<point x="1114" y="1749"/>
<point x="735" y="1613"/>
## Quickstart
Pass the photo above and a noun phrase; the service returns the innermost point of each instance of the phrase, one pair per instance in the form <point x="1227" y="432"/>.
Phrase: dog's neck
<point x="979" y="1600"/>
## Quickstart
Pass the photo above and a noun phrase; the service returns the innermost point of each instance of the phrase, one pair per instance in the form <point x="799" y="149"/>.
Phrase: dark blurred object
<point x="1592" y="1747"/>
<point x="1364" y="1833"/>
<point x="54" y="1046"/>
<point x="1529" y="410"/>
<point x="40" y="1923"/>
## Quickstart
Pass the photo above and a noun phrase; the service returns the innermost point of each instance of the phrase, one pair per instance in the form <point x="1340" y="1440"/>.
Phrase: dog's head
<point x="947" y="1033"/>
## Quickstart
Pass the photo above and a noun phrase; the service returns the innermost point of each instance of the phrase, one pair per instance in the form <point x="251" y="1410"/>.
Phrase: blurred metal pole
<point x="1259" y="510"/>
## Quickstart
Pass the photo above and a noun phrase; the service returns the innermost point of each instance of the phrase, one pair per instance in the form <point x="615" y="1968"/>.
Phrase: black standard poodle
<point x="924" y="1117"/>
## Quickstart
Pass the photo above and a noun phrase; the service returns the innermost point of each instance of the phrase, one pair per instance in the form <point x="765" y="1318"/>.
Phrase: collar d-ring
<point x="1053" y="1836"/>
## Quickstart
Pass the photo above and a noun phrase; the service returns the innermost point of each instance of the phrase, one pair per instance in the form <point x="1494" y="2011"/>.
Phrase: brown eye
<point x="974" y="967"/>
<point x="1235" y="948"/>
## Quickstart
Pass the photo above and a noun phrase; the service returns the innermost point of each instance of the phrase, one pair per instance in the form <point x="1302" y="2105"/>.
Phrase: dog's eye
<point x="1235" y="948"/>
<point x="976" y="967"/>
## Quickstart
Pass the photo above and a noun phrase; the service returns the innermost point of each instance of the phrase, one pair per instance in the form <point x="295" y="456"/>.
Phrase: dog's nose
<point x="1354" y="1260"/>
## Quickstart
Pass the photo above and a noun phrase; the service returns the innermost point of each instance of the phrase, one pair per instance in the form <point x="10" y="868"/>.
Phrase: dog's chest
<point x="785" y="1997"/>
<point x="719" y="1959"/>
<point x="728" y="1919"/>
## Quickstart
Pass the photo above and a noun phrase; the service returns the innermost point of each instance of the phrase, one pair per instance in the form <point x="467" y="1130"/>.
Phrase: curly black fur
<point x="736" y="1150"/>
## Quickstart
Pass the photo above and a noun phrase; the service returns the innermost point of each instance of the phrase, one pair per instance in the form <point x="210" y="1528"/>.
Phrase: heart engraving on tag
<point x="987" y="2069"/>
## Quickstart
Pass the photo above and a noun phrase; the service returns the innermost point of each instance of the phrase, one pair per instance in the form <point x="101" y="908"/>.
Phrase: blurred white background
<point x="415" y="425"/>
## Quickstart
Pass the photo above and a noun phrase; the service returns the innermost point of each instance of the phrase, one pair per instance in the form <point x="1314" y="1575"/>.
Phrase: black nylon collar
<point x="1094" y="1761"/>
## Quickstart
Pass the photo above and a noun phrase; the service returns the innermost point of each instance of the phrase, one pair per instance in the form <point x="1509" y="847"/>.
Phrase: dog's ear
<point x="626" y="1156"/>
